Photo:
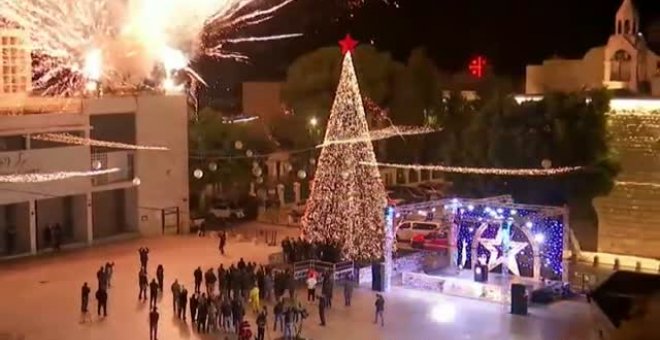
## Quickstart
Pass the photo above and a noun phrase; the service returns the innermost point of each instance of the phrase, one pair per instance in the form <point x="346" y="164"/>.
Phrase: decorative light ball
<point x="344" y="174"/>
<point x="302" y="174"/>
<point x="288" y="167"/>
<point x="257" y="171"/>
<point x="249" y="153"/>
<point x="238" y="145"/>
<point x="136" y="181"/>
<point x="260" y="180"/>
<point x="546" y="163"/>
<point x="255" y="164"/>
<point x="213" y="166"/>
<point x="312" y="161"/>
<point x="96" y="165"/>
<point x="198" y="173"/>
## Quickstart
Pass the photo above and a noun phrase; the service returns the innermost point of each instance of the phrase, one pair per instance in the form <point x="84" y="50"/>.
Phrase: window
<point x="618" y="27"/>
<point x="404" y="226"/>
<point x="424" y="226"/>
<point x="626" y="27"/>
<point x="657" y="67"/>
<point x="621" y="69"/>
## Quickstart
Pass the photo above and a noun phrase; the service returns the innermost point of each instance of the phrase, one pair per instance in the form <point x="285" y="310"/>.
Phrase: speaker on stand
<point x="519" y="299"/>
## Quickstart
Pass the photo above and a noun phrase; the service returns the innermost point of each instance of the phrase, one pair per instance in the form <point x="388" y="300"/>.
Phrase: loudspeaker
<point x="518" y="299"/>
<point x="480" y="273"/>
<point x="377" y="277"/>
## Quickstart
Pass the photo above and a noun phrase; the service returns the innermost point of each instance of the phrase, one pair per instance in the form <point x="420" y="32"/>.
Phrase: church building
<point x="627" y="62"/>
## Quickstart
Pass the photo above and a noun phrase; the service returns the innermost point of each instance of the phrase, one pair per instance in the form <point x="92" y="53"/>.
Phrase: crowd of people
<point x="220" y="298"/>
<point x="299" y="249"/>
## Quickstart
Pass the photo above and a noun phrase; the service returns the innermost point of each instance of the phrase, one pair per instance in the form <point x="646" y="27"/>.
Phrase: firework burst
<point x="79" y="44"/>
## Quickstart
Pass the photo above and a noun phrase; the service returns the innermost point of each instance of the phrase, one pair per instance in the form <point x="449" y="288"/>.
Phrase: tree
<point x="312" y="80"/>
<point x="347" y="199"/>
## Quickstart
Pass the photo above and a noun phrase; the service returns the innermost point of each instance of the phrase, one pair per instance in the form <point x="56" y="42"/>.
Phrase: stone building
<point x="626" y="62"/>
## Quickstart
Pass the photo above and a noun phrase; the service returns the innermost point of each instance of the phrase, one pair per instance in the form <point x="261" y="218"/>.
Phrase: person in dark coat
<point x="222" y="274"/>
<point x="143" y="282"/>
<point x="225" y="310"/>
<point x="237" y="312"/>
<point x="176" y="290"/>
<point x="348" y="291"/>
<point x="261" y="324"/>
<point x="241" y="264"/>
<point x="153" y="324"/>
<point x="153" y="293"/>
<point x="202" y="314"/>
<point x="109" y="269"/>
<point x="198" y="279"/>
<point x="194" y="301"/>
<point x="322" y="307"/>
<point x="84" y="294"/>
<point x="57" y="236"/>
<point x="144" y="257"/>
<point x="100" y="277"/>
<point x="223" y="242"/>
<point x="160" y="275"/>
<point x="183" y="302"/>
<point x="102" y="302"/>
<point x="380" y="309"/>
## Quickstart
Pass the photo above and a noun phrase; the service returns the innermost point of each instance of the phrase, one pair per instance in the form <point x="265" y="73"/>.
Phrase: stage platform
<point x="496" y="289"/>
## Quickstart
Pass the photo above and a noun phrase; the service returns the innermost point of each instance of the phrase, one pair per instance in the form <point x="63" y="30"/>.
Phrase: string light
<point x="52" y="176"/>
<point x="347" y="210"/>
<point x="480" y="171"/>
<point x="75" y="140"/>
<point x="385" y="133"/>
<point x="638" y="184"/>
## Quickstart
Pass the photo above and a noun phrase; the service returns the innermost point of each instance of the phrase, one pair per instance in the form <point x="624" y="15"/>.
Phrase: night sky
<point x="510" y="33"/>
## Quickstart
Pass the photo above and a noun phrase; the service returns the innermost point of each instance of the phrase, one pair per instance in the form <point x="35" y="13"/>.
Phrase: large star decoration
<point x="348" y="44"/>
<point x="494" y="245"/>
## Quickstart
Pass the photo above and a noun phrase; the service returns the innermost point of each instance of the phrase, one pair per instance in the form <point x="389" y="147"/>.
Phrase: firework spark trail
<point x="122" y="42"/>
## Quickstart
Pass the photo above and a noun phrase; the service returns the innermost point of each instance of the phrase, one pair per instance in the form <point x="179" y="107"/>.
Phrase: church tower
<point x="625" y="62"/>
<point x="627" y="19"/>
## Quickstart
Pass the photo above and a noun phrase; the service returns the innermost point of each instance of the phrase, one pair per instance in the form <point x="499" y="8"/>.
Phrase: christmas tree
<point x="348" y="198"/>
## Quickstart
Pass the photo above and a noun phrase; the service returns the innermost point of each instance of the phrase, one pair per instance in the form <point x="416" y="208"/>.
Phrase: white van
<point x="406" y="230"/>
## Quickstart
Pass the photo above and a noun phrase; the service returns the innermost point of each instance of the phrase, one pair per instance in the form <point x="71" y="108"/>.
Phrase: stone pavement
<point x="40" y="300"/>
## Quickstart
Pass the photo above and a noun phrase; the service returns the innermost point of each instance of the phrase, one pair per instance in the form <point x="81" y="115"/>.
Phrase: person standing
<point x="348" y="291"/>
<point x="278" y="315"/>
<point x="380" y="309"/>
<point x="84" y="295"/>
<point x="109" y="269"/>
<point x="311" y="288"/>
<point x="328" y="288"/>
<point x="142" y="283"/>
<point x="153" y="293"/>
<point x="100" y="277"/>
<point x="176" y="290"/>
<point x="288" y="323"/>
<point x="183" y="302"/>
<point x="57" y="236"/>
<point x="144" y="257"/>
<point x="160" y="275"/>
<point x="194" y="301"/>
<point x="153" y="324"/>
<point x="222" y="280"/>
<point x="101" y="302"/>
<point x="223" y="242"/>
<point x="202" y="314"/>
<point x="211" y="279"/>
<point x="261" y="324"/>
<point x="225" y="310"/>
<point x="268" y="286"/>
<point x="198" y="279"/>
<point x="322" y="307"/>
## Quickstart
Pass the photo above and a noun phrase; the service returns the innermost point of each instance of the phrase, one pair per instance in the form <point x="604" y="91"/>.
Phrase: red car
<point x="436" y="240"/>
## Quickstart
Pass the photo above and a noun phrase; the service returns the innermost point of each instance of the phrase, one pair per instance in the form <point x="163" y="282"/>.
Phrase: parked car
<point x="437" y="240"/>
<point x="225" y="210"/>
<point x="407" y="230"/>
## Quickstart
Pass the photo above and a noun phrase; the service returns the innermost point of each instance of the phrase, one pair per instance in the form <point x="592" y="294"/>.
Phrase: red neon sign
<point x="477" y="67"/>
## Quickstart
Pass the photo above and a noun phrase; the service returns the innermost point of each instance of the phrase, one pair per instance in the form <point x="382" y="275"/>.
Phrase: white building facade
<point x="148" y="195"/>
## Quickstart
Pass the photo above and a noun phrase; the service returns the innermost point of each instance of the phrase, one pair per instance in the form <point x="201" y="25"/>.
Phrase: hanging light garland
<point x="480" y="171"/>
<point x="385" y="133"/>
<point x="638" y="184"/>
<point x="52" y="176"/>
<point x="75" y="140"/>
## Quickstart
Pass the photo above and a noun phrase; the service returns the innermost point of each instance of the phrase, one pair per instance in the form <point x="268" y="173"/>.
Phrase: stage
<point x="496" y="289"/>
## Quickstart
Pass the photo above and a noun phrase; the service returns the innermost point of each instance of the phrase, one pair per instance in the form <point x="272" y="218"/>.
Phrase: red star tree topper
<point x="348" y="44"/>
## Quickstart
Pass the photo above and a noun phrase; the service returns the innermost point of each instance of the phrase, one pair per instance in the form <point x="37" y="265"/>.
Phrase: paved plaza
<point x="41" y="300"/>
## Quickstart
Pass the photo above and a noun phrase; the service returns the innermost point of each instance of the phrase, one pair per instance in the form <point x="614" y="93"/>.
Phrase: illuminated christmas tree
<point x="348" y="198"/>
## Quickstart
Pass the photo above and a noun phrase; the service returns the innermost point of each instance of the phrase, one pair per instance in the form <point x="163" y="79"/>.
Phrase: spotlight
<point x="539" y="238"/>
<point x="529" y="224"/>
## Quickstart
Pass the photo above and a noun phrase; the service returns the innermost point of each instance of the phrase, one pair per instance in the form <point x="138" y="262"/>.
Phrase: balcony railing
<point x="124" y="160"/>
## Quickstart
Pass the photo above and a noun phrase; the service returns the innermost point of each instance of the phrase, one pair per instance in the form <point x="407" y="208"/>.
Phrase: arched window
<point x="621" y="66"/>
<point x="618" y="27"/>
<point x="626" y="27"/>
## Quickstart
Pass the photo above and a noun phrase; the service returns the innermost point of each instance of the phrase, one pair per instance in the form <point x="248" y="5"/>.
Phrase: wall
<point x="108" y="213"/>
<point x="79" y="216"/>
<point x="567" y="74"/>
<point x="19" y="216"/>
<point x="72" y="158"/>
<point x="262" y="99"/>
<point x="629" y="217"/>
<point x="163" y="121"/>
